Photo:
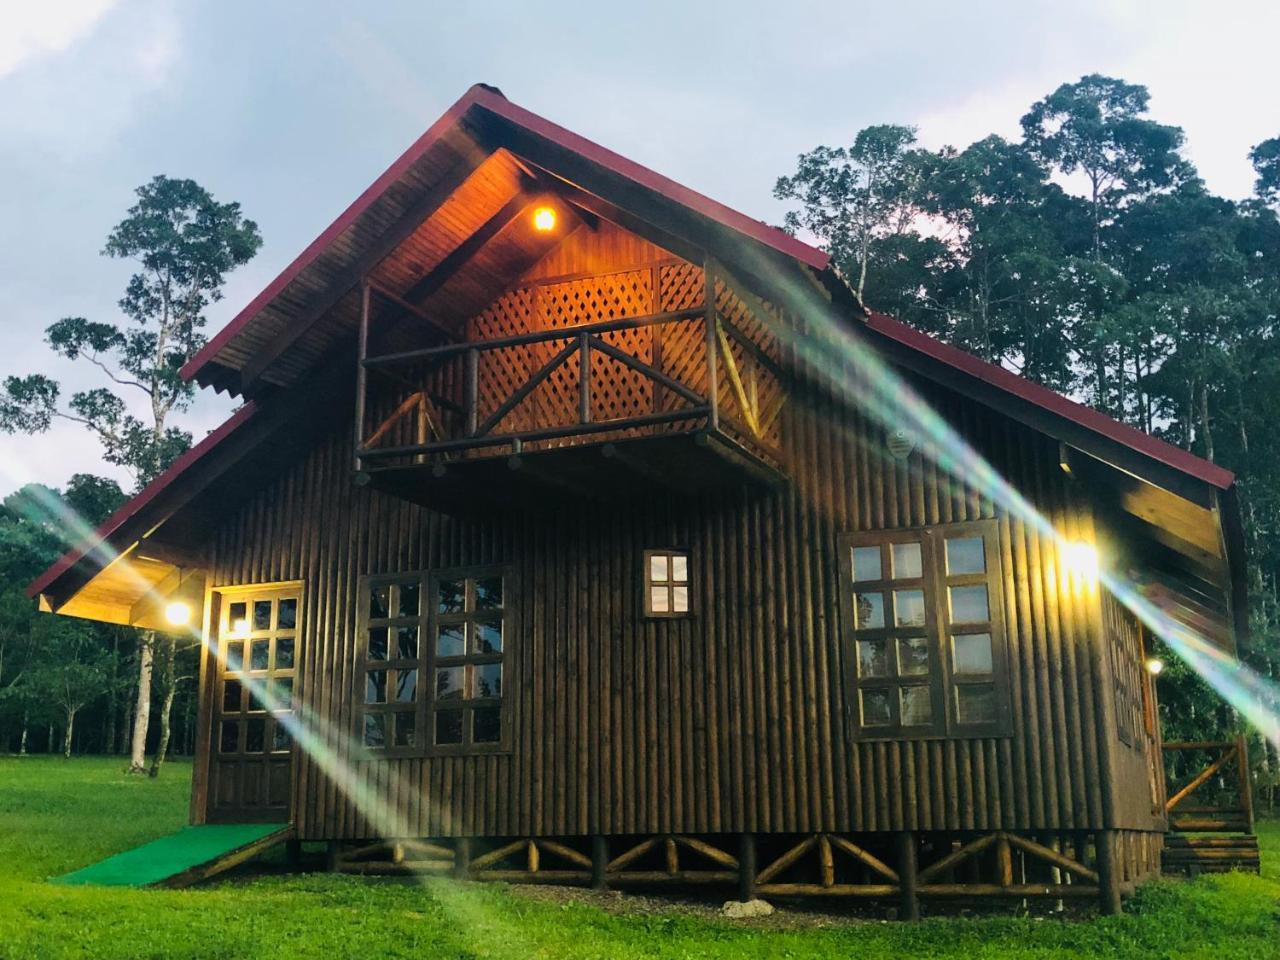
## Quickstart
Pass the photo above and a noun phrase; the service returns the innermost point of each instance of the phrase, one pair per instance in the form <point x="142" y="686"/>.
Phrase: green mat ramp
<point x="188" y="856"/>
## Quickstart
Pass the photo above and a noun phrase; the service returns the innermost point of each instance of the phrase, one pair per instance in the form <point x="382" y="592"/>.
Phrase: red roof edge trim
<point x="1043" y="397"/>
<point x="135" y="504"/>
<point x="494" y="102"/>
<point x="773" y="237"/>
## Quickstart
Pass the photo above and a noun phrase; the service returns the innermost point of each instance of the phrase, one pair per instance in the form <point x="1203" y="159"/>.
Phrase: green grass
<point x="56" y="816"/>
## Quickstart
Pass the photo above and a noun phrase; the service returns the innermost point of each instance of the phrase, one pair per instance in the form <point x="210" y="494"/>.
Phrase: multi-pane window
<point x="666" y="583"/>
<point x="925" y="652"/>
<point x="432" y="673"/>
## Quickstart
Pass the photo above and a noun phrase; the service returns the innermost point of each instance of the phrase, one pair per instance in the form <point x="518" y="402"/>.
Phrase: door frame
<point x="201" y="776"/>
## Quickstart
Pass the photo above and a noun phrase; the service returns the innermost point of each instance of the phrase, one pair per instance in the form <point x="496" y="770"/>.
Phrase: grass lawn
<point x="56" y="816"/>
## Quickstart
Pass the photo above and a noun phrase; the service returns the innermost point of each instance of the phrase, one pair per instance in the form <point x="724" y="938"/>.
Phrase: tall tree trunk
<point x="66" y="740"/>
<point x="166" y="708"/>
<point x="1204" y="421"/>
<point x="126" y="723"/>
<point x="22" y="741"/>
<point x="113" y="694"/>
<point x="142" y="711"/>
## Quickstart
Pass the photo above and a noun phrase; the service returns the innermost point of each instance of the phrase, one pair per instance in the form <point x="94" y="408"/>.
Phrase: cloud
<point x="29" y="31"/>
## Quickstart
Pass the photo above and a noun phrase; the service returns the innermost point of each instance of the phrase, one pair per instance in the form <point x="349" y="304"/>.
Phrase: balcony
<point x="685" y="401"/>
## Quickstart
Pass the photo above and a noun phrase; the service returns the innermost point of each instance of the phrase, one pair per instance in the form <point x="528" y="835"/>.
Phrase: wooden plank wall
<point x="732" y="720"/>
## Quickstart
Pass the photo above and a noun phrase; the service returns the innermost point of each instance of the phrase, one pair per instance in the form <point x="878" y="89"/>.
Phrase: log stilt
<point x="462" y="858"/>
<point x="332" y="856"/>
<point x="599" y="861"/>
<point x="1108" y="873"/>
<point x="907" y="875"/>
<point x="747" y="867"/>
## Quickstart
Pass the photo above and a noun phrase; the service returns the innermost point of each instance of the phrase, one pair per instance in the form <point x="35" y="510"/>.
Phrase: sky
<point x="293" y="108"/>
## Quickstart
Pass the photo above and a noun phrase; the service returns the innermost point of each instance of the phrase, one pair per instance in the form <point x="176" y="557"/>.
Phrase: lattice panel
<point x="682" y="286"/>
<point x="501" y="372"/>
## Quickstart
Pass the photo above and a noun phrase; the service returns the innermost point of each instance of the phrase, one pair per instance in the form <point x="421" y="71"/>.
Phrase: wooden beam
<point x="415" y="310"/>
<point x="170" y="553"/>
<point x="397" y="233"/>
<point x="461" y="255"/>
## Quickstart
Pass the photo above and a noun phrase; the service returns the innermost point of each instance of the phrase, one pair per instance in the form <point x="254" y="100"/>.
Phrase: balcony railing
<point x="680" y="372"/>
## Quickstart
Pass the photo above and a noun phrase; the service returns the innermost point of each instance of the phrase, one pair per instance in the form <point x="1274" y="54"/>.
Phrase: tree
<point x="68" y="671"/>
<point x="185" y="243"/>
<point x="1265" y="158"/>
<point x="853" y="198"/>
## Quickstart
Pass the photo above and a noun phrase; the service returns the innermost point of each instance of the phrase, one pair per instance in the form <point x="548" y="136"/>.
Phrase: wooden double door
<point x="258" y="653"/>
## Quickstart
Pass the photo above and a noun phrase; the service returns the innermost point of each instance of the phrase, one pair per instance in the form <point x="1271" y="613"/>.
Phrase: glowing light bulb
<point x="240" y="627"/>
<point x="1081" y="560"/>
<point x="1154" y="666"/>
<point x="544" y="219"/>
<point x="178" y="613"/>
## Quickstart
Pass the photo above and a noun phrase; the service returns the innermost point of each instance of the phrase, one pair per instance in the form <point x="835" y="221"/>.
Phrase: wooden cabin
<point x="578" y="528"/>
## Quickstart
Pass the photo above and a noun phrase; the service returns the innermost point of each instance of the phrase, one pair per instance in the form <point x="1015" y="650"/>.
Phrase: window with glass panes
<point x="923" y="630"/>
<point x="666" y="583"/>
<point x="432" y="671"/>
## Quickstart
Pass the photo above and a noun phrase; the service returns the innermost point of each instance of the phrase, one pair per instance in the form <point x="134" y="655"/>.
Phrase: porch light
<point x="240" y="628"/>
<point x="544" y="219"/>
<point x="1081" y="562"/>
<point x="1154" y="666"/>
<point x="178" y="613"/>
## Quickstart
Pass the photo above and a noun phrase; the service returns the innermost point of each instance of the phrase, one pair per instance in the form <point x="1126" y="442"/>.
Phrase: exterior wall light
<point x="1154" y="666"/>
<point x="178" y="613"/>
<point x="544" y="219"/>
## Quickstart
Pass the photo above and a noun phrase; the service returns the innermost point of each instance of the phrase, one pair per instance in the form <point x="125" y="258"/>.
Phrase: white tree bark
<point x="142" y="712"/>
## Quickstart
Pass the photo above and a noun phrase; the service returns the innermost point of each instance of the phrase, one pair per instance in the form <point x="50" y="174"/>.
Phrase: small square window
<point x="238" y="617"/>
<point x="448" y="727"/>
<point x="255" y="736"/>
<point x="873" y="659"/>
<point x="259" y="654"/>
<point x="281" y="739"/>
<point x="377" y="643"/>
<point x="451" y="640"/>
<point x="876" y="710"/>
<point x="262" y="614"/>
<point x="231" y="696"/>
<point x="868" y="611"/>
<point x="658" y="568"/>
<point x="407" y="643"/>
<point x="969" y="604"/>
<point x="913" y="657"/>
<point x="976" y="703"/>
<point x="282" y="693"/>
<point x="287" y="614"/>
<point x="406" y="729"/>
<point x="408" y="606"/>
<point x="965" y="555"/>
<point x="487" y="637"/>
<point x="229" y="739"/>
<point x="486" y="680"/>
<point x="866" y="564"/>
<point x="908" y="608"/>
<point x="487" y="725"/>
<point x="917" y="706"/>
<point x="679" y="599"/>
<point x="375" y="729"/>
<point x="971" y="653"/>
<point x="375" y="686"/>
<point x="452" y="596"/>
<point x="284" y="652"/>
<point x="235" y="655"/>
<point x="659" y="599"/>
<point x="679" y="568"/>
<point x="379" y="602"/>
<point x="489" y="593"/>
<point x="406" y="686"/>
<point x="907" y="564"/>
<point x="449" y="682"/>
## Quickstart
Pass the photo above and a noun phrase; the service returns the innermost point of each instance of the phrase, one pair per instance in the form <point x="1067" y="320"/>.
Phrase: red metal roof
<point x="1056" y="403"/>
<point x="486" y="98"/>
<point x="135" y="504"/>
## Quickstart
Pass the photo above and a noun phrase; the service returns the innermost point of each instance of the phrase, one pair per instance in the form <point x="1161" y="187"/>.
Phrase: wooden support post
<point x="332" y="854"/>
<point x="713" y="386"/>
<point x="1108" y="873"/>
<point x="471" y="385"/>
<point x="747" y="867"/>
<point x="907" y="865"/>
<point x="599" y="861"/>
<point x="362" y="378"/>
<point x="293" y="852"/>
<point x="462" y="858"/>
<point x="584" y="378"/>
<point x="1004" y="860"/>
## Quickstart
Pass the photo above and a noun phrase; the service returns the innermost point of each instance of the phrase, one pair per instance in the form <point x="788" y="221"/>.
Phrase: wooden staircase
<point x="1218" y="837"/>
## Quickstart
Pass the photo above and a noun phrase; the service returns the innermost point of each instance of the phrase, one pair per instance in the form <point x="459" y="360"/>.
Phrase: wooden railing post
<point x="584" y="378"/>
<point x="1104" y="842"/>
<point x="471" y="387"/>
<point x="362" y="351"/>
<point x="908" y="881"/>
<point x="713" y="386"/>
<point x="1246" y="783"/>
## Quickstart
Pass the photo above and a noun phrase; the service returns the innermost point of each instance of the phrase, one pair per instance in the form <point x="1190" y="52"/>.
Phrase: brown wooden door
<point x="259" y="654"/>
